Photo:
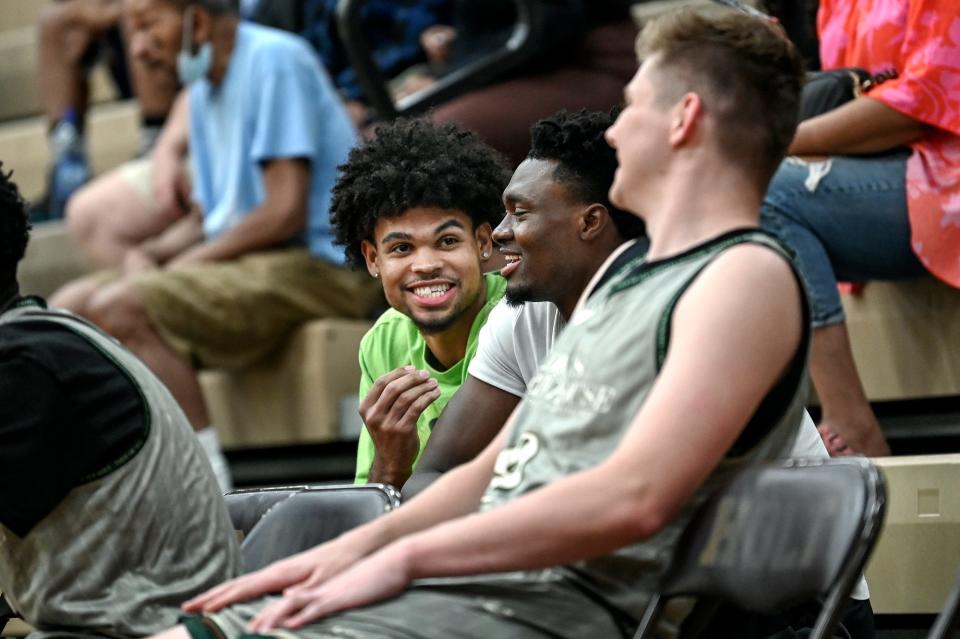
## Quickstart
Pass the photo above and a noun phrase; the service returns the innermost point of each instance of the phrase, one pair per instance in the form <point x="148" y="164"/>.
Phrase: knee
<point x="73" y="296"/>
<point x="82" y="219"/>
<point x="118" y="310"/>
<point x="53" y="20"/>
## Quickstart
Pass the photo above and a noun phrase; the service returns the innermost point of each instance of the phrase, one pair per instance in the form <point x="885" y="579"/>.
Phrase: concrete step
<point x="19" y="69"/>
<point x="20" y="13"/>
<point x="112" y="138"/>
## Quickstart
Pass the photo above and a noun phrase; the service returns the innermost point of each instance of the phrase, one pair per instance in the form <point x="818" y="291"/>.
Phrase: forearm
<point x="454" y="495"/>
<point x="578" y="517"/>
<point x="419" y="481"/>
<point x="258" y="231"/>
<point x="177" y="238"/>
<point x="473" y="417"/>
<point x="383" y="472"/>
<point x="280" y="217"/>
<point x="860" y="126"/>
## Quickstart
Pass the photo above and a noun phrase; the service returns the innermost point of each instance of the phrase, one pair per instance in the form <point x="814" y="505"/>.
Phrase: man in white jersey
<point x="563" y="524"/>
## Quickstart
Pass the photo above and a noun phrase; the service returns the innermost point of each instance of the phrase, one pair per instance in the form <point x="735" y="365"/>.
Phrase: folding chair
<point x="946" y="621"/>
<point x="279" y="522"/>
<point x="521" y="46"/>
<point x="777" y="536"/>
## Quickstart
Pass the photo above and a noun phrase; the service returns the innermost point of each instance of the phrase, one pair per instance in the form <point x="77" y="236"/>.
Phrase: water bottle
<point x="71" y="170"/>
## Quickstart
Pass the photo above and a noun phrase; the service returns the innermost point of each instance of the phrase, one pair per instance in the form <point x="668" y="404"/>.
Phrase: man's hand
<point x="390" y="412"/>
<point x="382" y="575"/>
<point x="307" y="569"/>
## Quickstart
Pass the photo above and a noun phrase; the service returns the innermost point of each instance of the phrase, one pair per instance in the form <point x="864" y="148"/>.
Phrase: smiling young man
<point x="415" y="207"/>
<point x="561" y="527"/>
<point x="559" y="228"/>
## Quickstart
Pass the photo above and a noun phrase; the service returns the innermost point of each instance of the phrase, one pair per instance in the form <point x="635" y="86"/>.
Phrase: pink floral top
<point x="920" y="40"/>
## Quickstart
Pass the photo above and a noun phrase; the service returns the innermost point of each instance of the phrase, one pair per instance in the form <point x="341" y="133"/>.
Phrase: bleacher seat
<point x="915" y="562"/>
<point x="905" y="338"/>
<point x="112" y="138"/>
<point x="292" y="396"/>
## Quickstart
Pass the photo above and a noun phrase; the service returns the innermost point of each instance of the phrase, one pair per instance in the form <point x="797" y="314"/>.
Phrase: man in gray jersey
<point x="109" y="512"/>
<point x="560" y="232"/>
<point x="561" y="526"/>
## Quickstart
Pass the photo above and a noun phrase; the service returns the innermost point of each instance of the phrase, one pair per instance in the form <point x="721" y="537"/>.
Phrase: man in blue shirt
<point x="253" y="257"/>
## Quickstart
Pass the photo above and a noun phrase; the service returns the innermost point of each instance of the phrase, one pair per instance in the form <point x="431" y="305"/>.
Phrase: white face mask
<point x="192" y="67"/>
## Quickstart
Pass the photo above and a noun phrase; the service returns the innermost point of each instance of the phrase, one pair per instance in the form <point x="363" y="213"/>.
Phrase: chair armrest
<point x="524" y="42"/>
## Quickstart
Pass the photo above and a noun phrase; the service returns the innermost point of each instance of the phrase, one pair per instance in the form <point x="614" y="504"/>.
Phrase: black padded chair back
<point x="298" y="518"/>
<point x="777" y="536"/>
<point x="946" y="622"/>
<point x="521" y="46"/>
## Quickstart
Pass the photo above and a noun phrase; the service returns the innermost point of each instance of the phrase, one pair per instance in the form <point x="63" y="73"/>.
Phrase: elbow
<point x="638" y="513"/>
<point x="290" y="220"/>
<point x="644" y="520"/>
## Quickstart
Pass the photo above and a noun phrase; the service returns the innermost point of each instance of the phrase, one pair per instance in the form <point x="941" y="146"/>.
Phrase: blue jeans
<point x="846" y="219"/>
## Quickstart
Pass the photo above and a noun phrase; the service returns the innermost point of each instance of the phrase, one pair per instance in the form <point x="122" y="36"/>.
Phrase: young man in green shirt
<point x="416" y="207"/>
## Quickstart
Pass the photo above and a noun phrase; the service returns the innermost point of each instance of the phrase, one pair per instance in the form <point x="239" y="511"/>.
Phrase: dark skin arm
<point x="470" y="421"/>
<point x="860" y="126"/>
<point x="281" y="215"/>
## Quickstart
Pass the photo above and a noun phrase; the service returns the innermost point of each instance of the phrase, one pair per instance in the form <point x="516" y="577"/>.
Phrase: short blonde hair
<point x="746" y="72"/>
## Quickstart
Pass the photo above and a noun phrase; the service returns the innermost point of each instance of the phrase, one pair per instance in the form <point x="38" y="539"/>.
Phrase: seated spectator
<point x="872" y="209"/>
<point x="578" y="238"/>
<point x="585" y="57"/>
<point x="254" y="259"/>
<point x="392" y="29"/>
<point x="625" y="428"/>
<point x="148" y="204"/>
<point x="109" y="513"/>
<point x="73" y="35"/>
<point x="415" y="206"/>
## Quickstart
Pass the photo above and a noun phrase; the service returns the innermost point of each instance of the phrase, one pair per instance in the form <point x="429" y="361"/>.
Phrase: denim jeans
<point x="846" y="219"/>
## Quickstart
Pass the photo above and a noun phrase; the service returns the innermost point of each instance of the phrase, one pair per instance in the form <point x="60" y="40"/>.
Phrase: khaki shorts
<point x="229" y="314"/>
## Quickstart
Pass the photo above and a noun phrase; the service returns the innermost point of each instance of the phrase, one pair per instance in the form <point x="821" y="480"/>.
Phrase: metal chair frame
<point x="688" y="572"/>
<point x="523" y="42"/>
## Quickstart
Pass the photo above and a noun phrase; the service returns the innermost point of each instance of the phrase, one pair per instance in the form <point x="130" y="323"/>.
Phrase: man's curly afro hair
<point x="415" y="163"/>
<point x="14" y="229"/>
<point x="586" y="163"/>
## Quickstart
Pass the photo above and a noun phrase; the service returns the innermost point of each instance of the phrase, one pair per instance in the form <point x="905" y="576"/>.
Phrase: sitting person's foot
<point x="838" y="446"/>
<point x="835" y="444"/>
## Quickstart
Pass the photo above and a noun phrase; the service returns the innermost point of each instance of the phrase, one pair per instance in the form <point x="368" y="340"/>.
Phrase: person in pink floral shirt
<point x="875" y="190"/>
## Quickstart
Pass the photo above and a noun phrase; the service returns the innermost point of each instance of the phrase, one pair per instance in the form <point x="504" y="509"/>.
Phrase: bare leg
<point x="114" y="213"/>
<point x="76" y="295"/>
<point x="118" y="310"/>
<point x="66" y="30"/>
<point x="846" y="410"/>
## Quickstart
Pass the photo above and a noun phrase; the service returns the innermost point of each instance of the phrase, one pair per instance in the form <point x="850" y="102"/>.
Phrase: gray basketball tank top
<point x="588" y="390"/>
<point x="120" y="553"/>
